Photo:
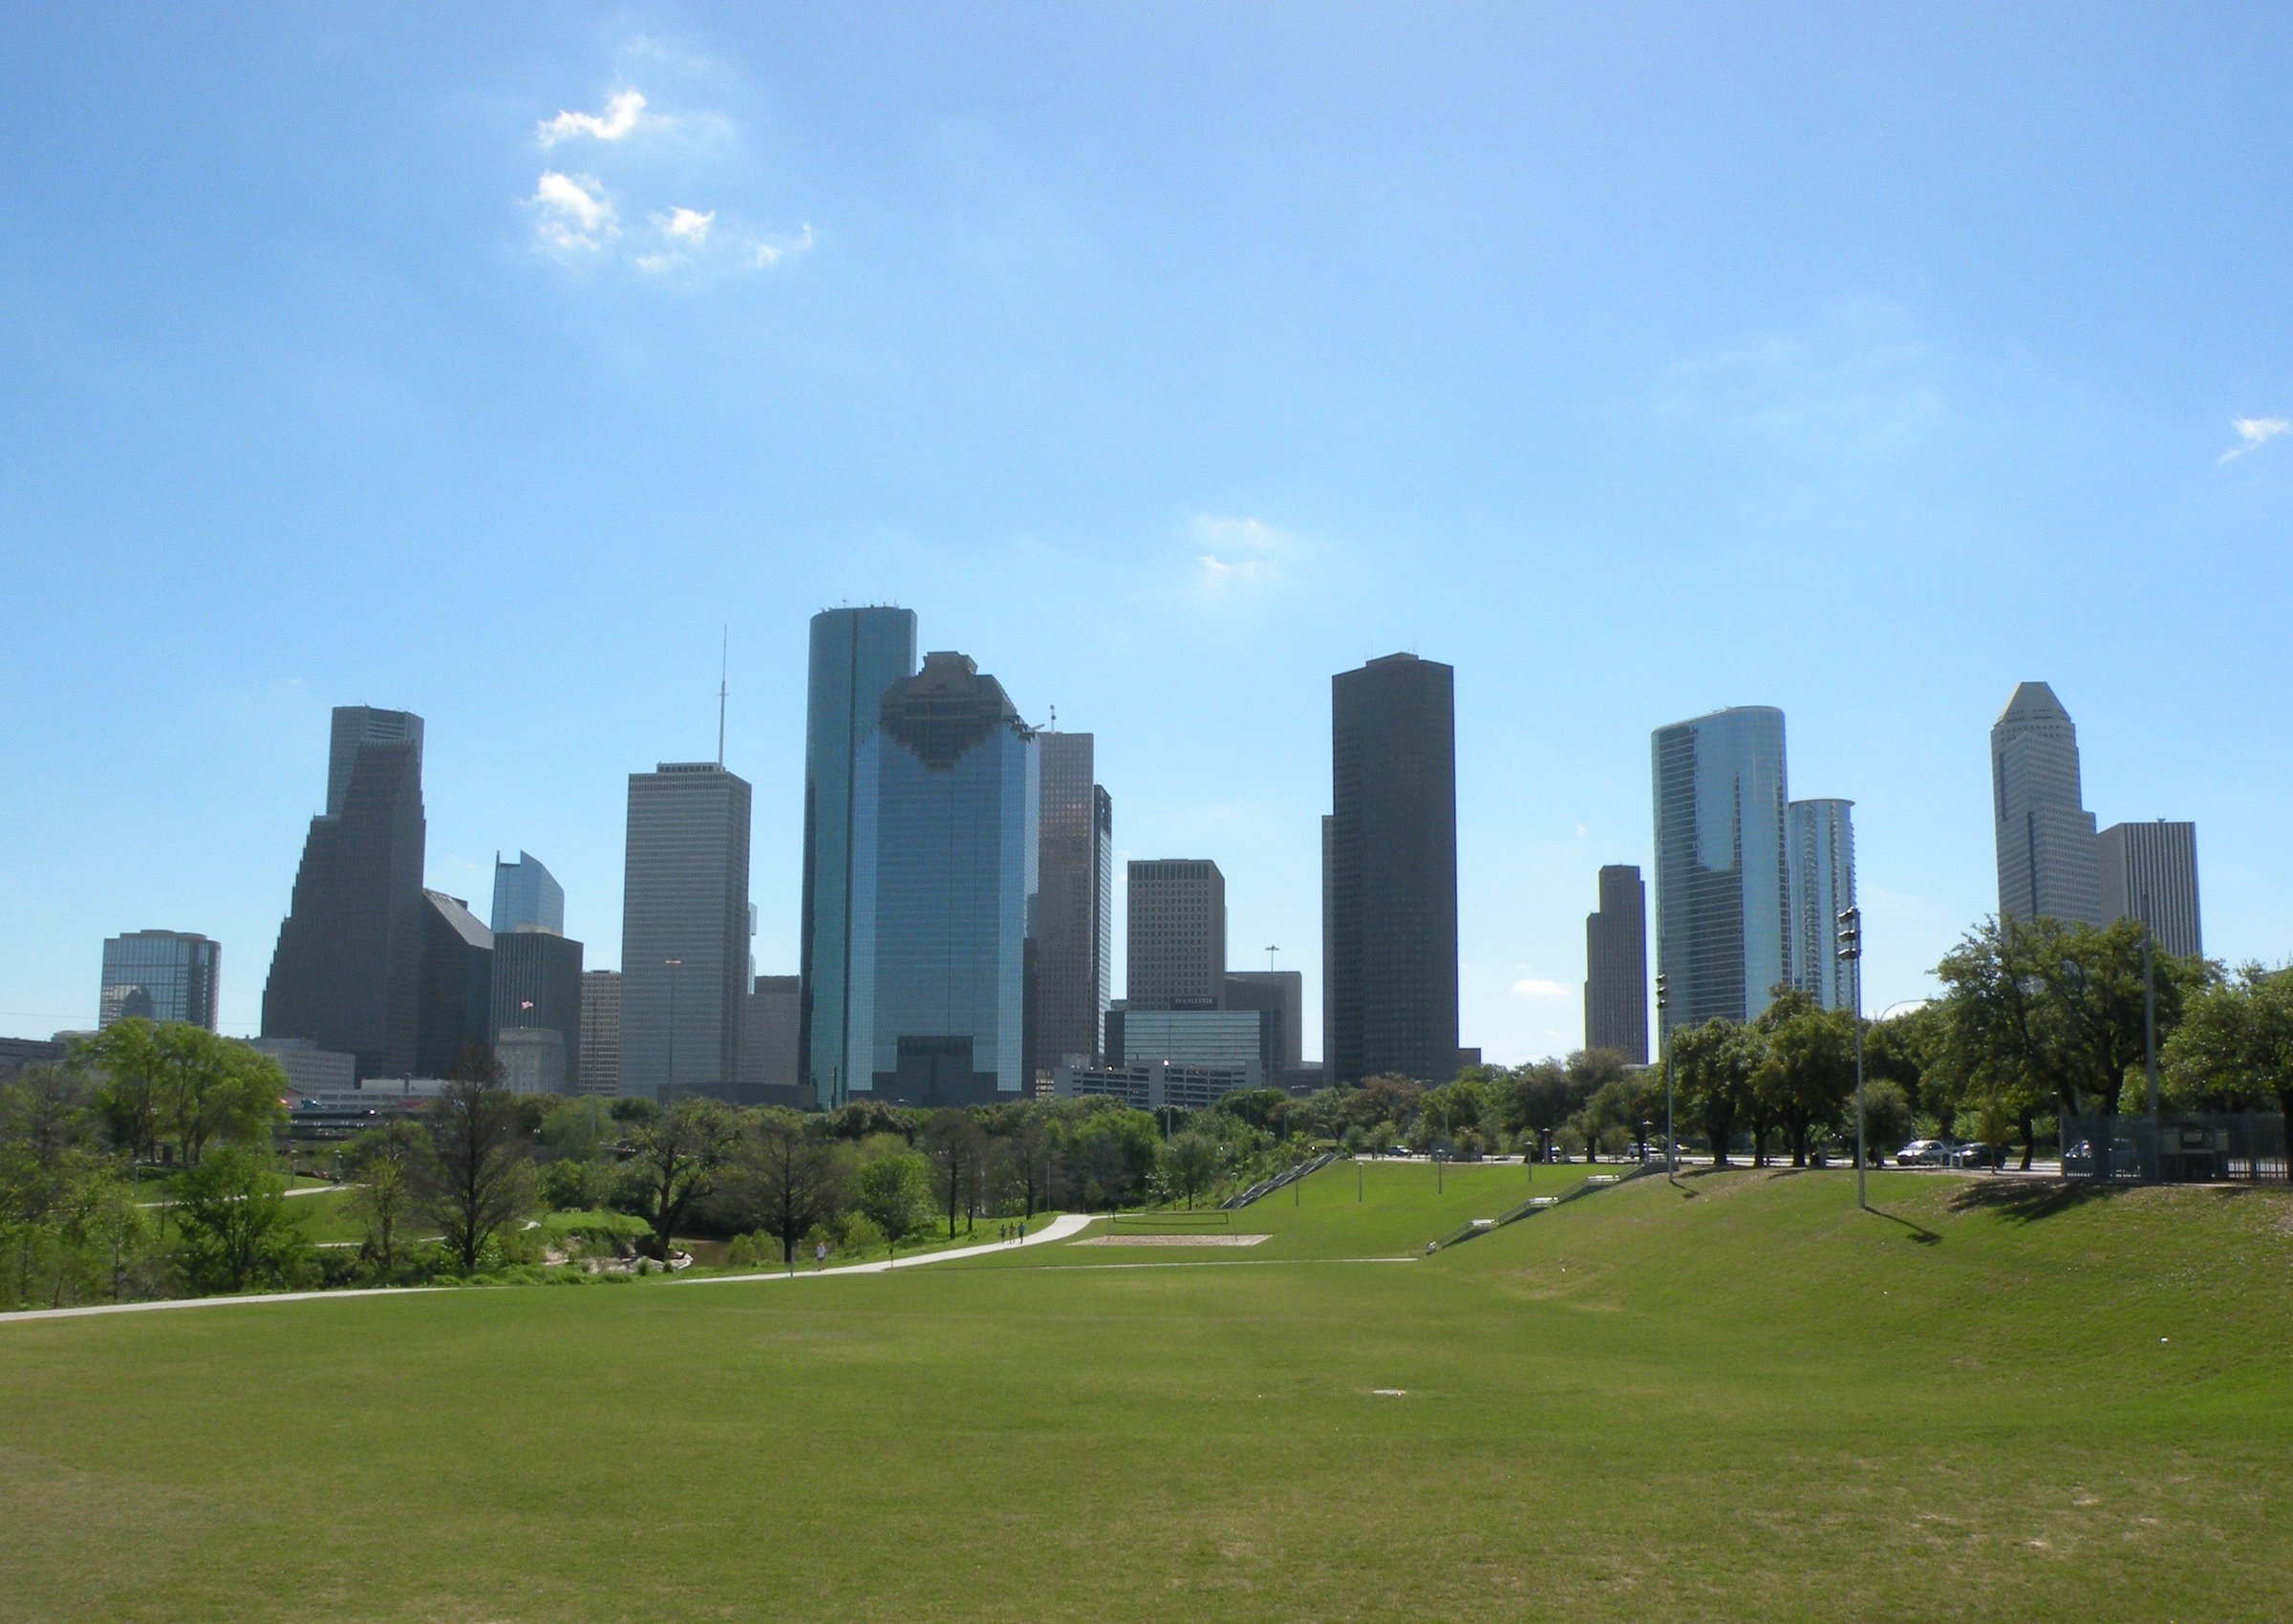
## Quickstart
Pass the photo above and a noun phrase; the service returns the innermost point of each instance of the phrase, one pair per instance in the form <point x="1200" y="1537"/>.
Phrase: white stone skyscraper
<point x="1823" y="886"/>
<point x="2049" y="864"/>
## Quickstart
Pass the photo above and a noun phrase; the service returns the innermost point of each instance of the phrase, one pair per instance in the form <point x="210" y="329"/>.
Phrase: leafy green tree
<point x="2234" y="1045"/>
<point x="126" y="1055"/>
<point x="484" y="1180"/>
<point x="1106" y="1155"/>
<point x="184" y="1084"/>
<point x="1539" y="1098"/>
<point x="392" y="1168"/>
<point x="955" y="1148"/>
<point x="1713" y="1067"/>
<point x="1191" y="1164"/>
<point x="1806" y="1070"/>
<point x="234" y="1222"/>
<point x="678" y="1157"/>
<point x="894" y="1188"/>
<point x="786" y="1182"/>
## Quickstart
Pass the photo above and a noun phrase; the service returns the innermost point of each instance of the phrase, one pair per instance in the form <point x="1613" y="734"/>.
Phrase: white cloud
<point x="1534" y="987"/>
<point x="654" y="264"/>
<point x="1228" y="535"/>
<point x="771" y="253"/>
<point x="1242" y="551"/>
<point x="689" y="224"/>
<point x="623" y="113"/>
<point x="572" y="213"/>
<point x="2253" y="433"/>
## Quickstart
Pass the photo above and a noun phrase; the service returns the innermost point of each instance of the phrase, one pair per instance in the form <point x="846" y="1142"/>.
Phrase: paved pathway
<point x="1058" y="1230"/>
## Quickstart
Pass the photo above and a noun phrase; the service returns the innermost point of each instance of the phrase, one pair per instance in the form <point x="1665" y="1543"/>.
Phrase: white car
<point x="1925" y="1153"/>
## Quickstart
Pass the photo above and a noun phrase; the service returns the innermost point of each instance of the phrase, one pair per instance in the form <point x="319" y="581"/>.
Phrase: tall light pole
<point x="1850" y="952"/>
<point x="675" y="965"/>
<point x="1663" y="1044"/>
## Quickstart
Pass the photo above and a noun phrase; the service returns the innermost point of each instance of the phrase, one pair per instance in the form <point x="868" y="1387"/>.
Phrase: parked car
<point x="1925" y="1153"/>
<point x="1972" y="1154"/>
<point x="2079" y="1158"/>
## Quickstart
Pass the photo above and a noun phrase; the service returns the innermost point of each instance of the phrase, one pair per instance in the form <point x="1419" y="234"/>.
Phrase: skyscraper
<point x="2150" y="872"/>
<point x="2048" y="865"/>
<point x="1723" y="880"/>
<point x="159" y="975"/>
<point x="345" y="970"/>
<point x="600" y="1068"/>
<point x="857" y="655"/>
<point x="1074" y="912"/>
<point x="527" y="893"/>
<point x="684" y="929"/>
<point x="768" y="1040"/>
<point x="1176" y="932"/>
<point x="943" y="885"/>
<point x="1823" y="886"/>
<point x="1615" y="966"/>
<point x="1392" y="872"/>
<point x="1279" y="998"/>
<point x="456" y="981"/>
<point x="538" y="988"/>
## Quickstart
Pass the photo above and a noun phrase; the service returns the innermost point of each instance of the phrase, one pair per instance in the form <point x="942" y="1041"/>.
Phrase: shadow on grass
<point x="2026" y="1201"/>
<point x="1922" y="1235"/>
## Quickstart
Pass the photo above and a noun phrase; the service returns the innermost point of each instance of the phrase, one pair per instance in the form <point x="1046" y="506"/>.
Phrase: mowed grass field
<point x="1735" y="1398"/>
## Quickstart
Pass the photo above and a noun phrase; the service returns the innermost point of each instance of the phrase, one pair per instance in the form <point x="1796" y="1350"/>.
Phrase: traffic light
<point x="1850" y="932"/>
<point x="1660" y="997"/>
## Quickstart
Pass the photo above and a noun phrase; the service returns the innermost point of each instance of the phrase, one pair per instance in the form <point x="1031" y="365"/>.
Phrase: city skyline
<point x="1791" y="394"/>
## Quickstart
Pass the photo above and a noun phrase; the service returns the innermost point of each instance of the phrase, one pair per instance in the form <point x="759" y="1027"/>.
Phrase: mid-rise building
<point x="1392" y="872"/>
<point x="1723" y="870"/>
<point x="600" y="1069"/>
<point x="538" y="988"/>
<point x="768" y="1046"/>
<point x="1822" y="837"/>
<point x="311" y="1071"/>
<point x="2049" y="866"/>
<point x="1231" y="1039"/>
<point x="456" y="997"/>
<point x="159" y="975"/>
<point x="533" y="1060"/>
<point x="526" y="895"/>
<point x="857" y="655"/>
<point x="684" y="929"/>
<point x="1279" y="998"/>
<point x="1176" y="935"/>
<point x="1153" y="1085"/>
<point x="1075" y="901"/>
<point x="2150" y="872"/>
<point x="943" y="891"/>
<point x="1615" y="966"/>
<point x="347" y="970"/>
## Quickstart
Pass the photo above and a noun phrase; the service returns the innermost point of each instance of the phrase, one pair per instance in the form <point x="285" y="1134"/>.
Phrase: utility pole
<point x="1851" y="951"/>
<point x="2151" y="1162"/>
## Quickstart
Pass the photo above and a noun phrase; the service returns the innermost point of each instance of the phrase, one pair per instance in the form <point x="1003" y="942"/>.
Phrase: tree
<point x="955" y="1151"/>
<point x="1027" y="1157"/>
<point x="1713" y="1067"/>
<point x="391" y="1166"/>
<point x="127" y="1052"/>
<point x="484" y="1179"/>
<point x="1539" y="1100"/>
<point x="789" y="1180"/>
<point x="2234" y="1046"/>
<point x="678" y="1157"/>
<point x="1193" y="1164"/>
<point x="1806" y="1070"/>
<point x="236" y="1229"/>
<point x="894" y="1189"/>
<point x="183" y="1083"/>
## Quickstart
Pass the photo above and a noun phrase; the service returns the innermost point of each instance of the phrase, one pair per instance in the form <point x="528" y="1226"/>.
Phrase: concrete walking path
<point x="1058" y="1229"/>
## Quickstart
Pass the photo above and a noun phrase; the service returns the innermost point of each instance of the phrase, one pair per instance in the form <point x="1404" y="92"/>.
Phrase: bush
<point x="857" y="1233"/>
<point x="576" y="1184"/>
<point x="758" y="1251"/>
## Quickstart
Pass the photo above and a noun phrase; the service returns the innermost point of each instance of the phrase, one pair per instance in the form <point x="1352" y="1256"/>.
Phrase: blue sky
<point x="1636" y="361"/>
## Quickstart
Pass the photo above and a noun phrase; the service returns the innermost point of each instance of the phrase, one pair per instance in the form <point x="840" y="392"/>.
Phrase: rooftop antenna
<point x="1269" y="952"/>
<point x="1054" y="727"/>
<point x="724" y="667"/>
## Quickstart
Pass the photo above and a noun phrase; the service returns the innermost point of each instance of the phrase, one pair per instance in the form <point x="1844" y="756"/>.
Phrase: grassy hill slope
<point x="1748" y="1402"/>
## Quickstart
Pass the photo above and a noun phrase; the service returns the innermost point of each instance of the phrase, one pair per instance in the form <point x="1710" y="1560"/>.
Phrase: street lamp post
<point x="1663" y="1042"/>
<point x="675" y="965"/>
<point x="1851" y="951"/>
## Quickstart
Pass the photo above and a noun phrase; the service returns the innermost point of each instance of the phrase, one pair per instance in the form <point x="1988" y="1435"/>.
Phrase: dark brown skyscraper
<point x="1075" y="902"/>
<point x="1177" y="935"/>
<point x="1392" y="872"/>
<point x="1615" y="966"/>
<point x="347" y="972"/>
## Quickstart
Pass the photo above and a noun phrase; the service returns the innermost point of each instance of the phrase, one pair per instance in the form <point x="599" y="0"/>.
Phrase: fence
<point x="2211" y="1148"/>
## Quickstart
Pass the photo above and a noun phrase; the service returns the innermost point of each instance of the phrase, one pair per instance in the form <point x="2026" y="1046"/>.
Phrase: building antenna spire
<point x="724" y="656"/>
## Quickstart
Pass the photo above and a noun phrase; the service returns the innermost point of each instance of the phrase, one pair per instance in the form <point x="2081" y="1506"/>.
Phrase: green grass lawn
<point x="1737" y="1399"/>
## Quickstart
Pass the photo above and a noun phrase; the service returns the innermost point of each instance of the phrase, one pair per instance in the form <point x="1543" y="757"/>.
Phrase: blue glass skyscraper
<point x="857" y="655"/>
<point x="1723" y="875"/>
<point x="945" y="799"/>
<point x="526" y="893"/>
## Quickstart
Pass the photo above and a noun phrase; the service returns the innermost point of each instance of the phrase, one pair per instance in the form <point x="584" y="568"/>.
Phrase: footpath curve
<point x="1058" y="1230"/>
